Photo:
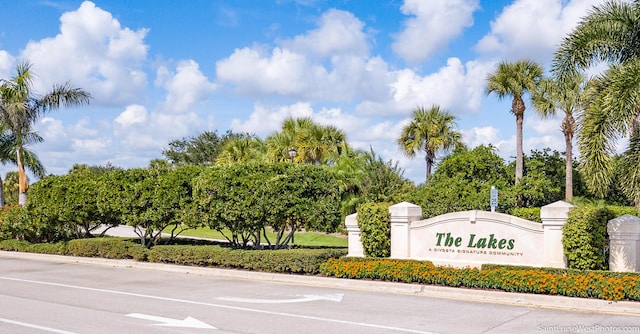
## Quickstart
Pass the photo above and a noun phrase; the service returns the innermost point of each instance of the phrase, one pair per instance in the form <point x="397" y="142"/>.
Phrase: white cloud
<point x="283" y="72"/>
<point x="457" y="87"/>
<point x="185" y="88"/>
<point x="543" y="126"/>
<point x="133" y="114"/>
<point x="91" y="147"/>
<point x="6" y="64"/>
<point x="95" y="53"/>
<point x="532" y="28"/>
<point x="268" y="119"/>
<point x="338" y="33"/>
<point x="431" y="26"/>
<point x="477" y="136"/>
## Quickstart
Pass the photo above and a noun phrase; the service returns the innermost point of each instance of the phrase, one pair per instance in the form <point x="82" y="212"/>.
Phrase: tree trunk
<point x="429" y="159"/>
<point x="517" y="107"/>
<point x="568" y="192"/>
<point x="22" y="179"/>
<point x="1" y="193"/>
<point x="568" y="124"/>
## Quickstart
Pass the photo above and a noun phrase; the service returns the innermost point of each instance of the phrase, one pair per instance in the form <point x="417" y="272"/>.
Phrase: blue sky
<point x="163" y="70"/>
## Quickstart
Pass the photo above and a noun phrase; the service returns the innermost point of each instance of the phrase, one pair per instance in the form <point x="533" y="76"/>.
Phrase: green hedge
<point x="374" y="221"/>
<point x="110" y="248"/>
<point x="532" y="214"/>
<point x="298" y="261"/>
<point x="584" y="238"/>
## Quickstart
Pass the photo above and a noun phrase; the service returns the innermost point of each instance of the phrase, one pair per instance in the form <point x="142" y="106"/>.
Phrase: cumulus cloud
<point x="186" y="87"/>
<point x="94" y="52"/>
<point x="329" y="63"/>
<point x="267" y="119"/>
<point x="458" y="87"/>
<point x="133" y="114"/>
<point x="338" y="33"/>
<point x="431" y="26"/>
<point x="532" y="28"/>
<point x="477" y="136"/>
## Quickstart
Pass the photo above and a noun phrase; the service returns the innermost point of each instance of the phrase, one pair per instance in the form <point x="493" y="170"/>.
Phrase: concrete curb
<point x="485" y="296"/>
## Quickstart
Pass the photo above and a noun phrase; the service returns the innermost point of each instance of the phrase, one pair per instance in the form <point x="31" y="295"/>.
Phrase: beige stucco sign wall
<point x="471" y="238"/>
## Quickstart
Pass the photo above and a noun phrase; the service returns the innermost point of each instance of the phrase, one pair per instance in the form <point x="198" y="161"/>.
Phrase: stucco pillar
<point x="355" y="244"/>
<point x="554" y="216"/>
<point x="624" y="243"/>
<point x="402" y="214"/>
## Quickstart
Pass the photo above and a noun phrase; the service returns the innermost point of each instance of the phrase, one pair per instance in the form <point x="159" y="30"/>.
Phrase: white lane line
<point x="245" y="309"/>
<point x="24" y="324"/>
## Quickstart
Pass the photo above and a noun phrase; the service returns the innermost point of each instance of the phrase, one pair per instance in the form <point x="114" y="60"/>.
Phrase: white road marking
<point x="188" y="322"/>
<point x="282" y="314"/>
<point x="24" y="324"/>
<point x="304" y="298"/>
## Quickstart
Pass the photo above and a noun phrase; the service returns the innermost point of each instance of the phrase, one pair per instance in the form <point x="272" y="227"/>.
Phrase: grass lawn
<point x="300" y="238"/>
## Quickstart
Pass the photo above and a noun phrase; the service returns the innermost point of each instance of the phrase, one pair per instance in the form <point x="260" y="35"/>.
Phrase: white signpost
<point x="493" y="202"/>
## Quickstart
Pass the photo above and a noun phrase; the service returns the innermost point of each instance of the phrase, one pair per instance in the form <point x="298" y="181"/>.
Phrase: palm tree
<point x="566" y="96"/>
<point x="430" y="130"/>
<point x="30" y="160"/>
<point x="608" y="34"/>
<point x="515" y="80"/>
<point x="241" y="149"/>
<point x="22" y="107"/>
<point x="314" y="143"/>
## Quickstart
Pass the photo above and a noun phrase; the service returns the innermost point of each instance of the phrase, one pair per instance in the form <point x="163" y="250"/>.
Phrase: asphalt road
<point x="55" y="295"/>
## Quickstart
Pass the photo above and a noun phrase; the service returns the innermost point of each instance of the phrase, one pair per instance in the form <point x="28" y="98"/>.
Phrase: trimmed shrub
<point x="298" y="261"/>
<point x="584" y="238"/>
<point x="59" y="248"/>
<point x="532" y="214"/>
<point x="374" y="221"/>
<point x="110" y="248"/>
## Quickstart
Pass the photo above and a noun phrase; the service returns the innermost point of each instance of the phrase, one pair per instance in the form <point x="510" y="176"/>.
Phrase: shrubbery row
<point x="239" y="200"/>
<point x="296" y="261"/>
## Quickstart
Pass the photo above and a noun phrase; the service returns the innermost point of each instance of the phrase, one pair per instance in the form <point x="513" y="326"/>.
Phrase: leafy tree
<point x="247" y="198"/>
<point x="515" y="80"/>
<point x="149" y="200"/>
<point x="463" y="181"/>
<point x="430" y="130"/>
<point x="307" y="197"/>
<point x="95" y="169"/>
<point x="542" y="182"/>
<point x="21" y="107"/>
<point x="553" y="95"/>
<point x="69" y="202"/>
<point x="230" y="200"/>
<point x="609" y="34"/>
<point x="198" y="150"/>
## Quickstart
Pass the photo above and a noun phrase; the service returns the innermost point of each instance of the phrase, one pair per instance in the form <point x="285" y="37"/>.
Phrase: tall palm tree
<point x="22" y="107"/>
<point x="430" y="130"/>
<point x="564" y="95"/>
<point x="608" y="34"/>
<point x="515" y="80"/>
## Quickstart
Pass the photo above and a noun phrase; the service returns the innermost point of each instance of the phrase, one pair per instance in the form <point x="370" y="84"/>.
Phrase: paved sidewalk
<point x="521" y="299"/>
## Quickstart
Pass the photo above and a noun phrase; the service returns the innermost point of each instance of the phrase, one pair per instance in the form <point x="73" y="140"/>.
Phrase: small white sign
<point x="493" y="201"/>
